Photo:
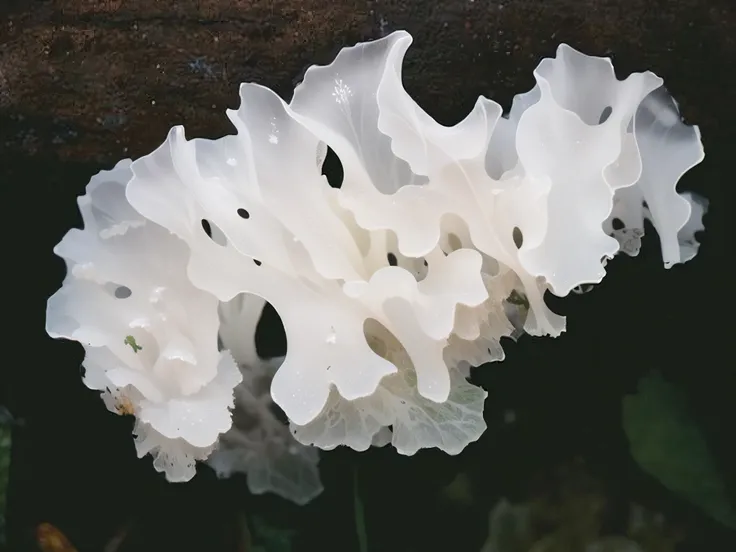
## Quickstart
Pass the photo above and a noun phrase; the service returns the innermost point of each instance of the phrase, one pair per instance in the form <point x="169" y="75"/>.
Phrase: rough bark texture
<point x="99" y="80"/>
<point x="84" y="83"/>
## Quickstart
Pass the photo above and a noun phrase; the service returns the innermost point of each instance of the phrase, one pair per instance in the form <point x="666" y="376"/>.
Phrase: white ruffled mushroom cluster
<point x="439" y="242"/>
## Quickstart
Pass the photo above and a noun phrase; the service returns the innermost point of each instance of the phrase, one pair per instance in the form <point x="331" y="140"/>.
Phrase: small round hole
<point x="518" y="237"/>
<point x="392" y="259"/>
<point x="207" y="228"/>
<point x="243" y="213"/>
<point x="605" y="114"/>
<point x="214" y="232"/>
<point x="258" y="263"/>
<point x="122" y="292"/>
<point x="617" y="224"/>
<point x="332" y="169"/>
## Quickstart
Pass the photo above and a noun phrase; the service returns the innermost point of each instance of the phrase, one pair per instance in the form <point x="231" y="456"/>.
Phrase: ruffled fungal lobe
<point x="150" y="337"/>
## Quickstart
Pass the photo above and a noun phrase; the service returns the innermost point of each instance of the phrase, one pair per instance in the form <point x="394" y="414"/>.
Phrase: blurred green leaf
<point x="666" y="443"/>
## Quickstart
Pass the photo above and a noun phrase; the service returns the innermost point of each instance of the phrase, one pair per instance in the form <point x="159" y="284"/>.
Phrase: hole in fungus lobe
<point x="270" y="335"/>
<point x="518" y="237"/>
<point x="213" y="232"/>
<point x="117" y="290"/>
<point x="243" y="213"/>
<point x="207" y="228"/>
<point x="122" y="292"/>
<point x="392" y="259"/>
<point x="617" y="224"/>
<point x="258" y="263"/>
<point x="332" y="169"/>
<point x="605" y="114"/>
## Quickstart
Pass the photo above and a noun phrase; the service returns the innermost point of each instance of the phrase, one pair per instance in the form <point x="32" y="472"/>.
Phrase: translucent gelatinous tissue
<point x="439" y="242"/>
<point x="259" y="444"/>
<point x="150" y="336"/>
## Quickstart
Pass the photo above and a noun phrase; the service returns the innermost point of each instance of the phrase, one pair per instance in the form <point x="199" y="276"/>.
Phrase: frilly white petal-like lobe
<point x="586" y="122"/>
<point x="416" y="422"/>
<point x="150" y="336"/>
<point x="267" y="128"/>
<point x="175" y="458"/>
<point x="199" y="418"/>
<point x="338" y="104"/>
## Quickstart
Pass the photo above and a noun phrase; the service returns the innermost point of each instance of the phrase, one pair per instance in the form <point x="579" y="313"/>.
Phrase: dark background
<point x="85" y="83"/>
